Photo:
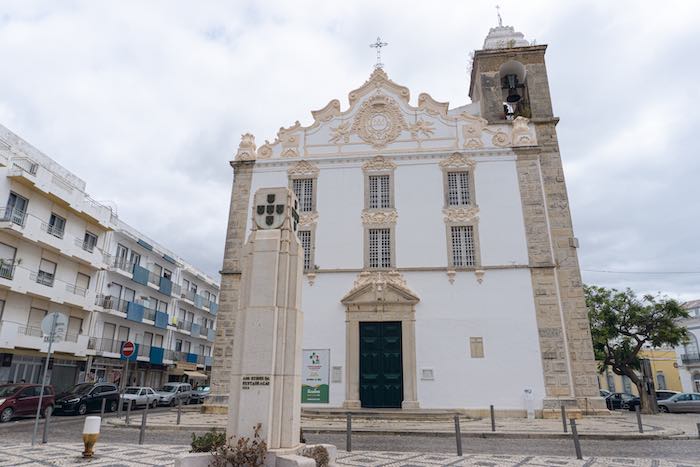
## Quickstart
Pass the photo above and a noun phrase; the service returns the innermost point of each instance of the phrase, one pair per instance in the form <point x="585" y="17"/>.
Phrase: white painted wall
<point x="500" y="310"/>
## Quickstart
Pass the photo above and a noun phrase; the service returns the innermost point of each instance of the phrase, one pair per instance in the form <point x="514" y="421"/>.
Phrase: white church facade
<point x="440" y="263"/>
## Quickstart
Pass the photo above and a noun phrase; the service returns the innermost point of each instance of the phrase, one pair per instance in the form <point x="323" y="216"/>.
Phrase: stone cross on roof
<point x="378" y="45"/>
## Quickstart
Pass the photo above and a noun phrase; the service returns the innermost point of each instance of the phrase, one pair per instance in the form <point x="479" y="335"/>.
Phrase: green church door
<point x="381" y="375"/>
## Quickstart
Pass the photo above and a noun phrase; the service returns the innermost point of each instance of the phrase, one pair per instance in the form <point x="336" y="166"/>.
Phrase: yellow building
<point x="663" y="364"/>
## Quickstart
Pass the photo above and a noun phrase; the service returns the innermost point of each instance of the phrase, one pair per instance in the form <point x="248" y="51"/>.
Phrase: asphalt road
<point x="69" y="428"/>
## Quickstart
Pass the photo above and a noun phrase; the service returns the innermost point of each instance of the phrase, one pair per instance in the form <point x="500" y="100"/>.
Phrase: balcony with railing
<point x="12" y="218"/>
<point x="7" y="270"/>
<point x="30" y="336"/>
<point x="111" y="303"/>
<point x="690" y="359"/>
<point x="55" y="230"/>
<point x="45" y="180"/>
<point x="43" y="278"/>
<point x="88" y="247"/>
<point x="184" y="326"/>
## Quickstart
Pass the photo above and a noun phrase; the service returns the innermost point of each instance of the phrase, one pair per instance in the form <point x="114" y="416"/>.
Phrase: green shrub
<point x="208" y="442"/>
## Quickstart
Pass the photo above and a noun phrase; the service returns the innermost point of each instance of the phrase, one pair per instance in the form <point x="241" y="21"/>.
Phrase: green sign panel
<point x="315" y="373"/>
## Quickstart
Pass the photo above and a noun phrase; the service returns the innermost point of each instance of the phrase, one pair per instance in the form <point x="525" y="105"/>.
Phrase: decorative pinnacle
<point x="498" y="13"/>
<point x="378" y="45"/>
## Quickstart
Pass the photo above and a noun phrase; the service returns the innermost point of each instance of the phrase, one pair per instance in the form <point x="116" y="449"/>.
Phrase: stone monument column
<point x="265" y="385"/>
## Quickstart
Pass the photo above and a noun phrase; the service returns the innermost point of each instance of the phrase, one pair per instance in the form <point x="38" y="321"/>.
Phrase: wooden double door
<point x="381" y="369"/>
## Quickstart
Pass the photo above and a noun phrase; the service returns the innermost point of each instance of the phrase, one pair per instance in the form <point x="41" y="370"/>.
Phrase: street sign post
<point x="128" y="349"/>
<point x="54" y="327"/>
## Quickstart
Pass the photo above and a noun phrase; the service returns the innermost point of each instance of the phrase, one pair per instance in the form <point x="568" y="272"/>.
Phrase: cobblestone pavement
<point x="408" y="459"/>
<point x="620" y="424"/>
<point x="126" y="455"/>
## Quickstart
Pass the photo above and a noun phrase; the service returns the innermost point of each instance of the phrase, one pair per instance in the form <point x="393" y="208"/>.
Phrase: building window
<point x="379" y="192"/>
<point x="167" y="274"/>
<point x="660" y="381"/>
<point x="463" y="249"/>
<point x="7" y="261"/>
<point x="305" y="239"/>
<point x="458" y="188"/>
<point x="47" y="272"/>
<point x="89" y="241"/>
<point x="2" y="309"/>
<point x="178" y="345"/>
<point x="304" y="189"/>
<point x="16" y="210"/>
<point x="476" y="347"/>
<point x="56" y="226"/>
<point x="379" y="248"/>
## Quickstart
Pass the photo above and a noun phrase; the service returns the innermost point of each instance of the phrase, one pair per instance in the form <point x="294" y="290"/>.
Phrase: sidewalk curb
<point x="670" y="434"/>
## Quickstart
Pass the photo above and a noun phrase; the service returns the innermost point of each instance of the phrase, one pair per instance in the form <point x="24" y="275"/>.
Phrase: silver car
<point x="140" y="397"/>
<point x="683" y="402"/>
<point x="174" y="393"/>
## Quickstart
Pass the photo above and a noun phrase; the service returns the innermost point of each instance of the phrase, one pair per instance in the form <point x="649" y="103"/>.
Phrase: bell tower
<point x="509" y="80"/>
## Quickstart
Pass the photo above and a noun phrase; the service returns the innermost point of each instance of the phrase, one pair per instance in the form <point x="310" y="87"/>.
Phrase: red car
<point x="23" y="400"/>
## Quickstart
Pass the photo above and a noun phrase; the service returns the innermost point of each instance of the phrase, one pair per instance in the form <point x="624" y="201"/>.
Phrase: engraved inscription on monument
<point x="248" y="381"/>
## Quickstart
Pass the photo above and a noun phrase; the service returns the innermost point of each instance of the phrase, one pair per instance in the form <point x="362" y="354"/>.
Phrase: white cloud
<point x="147" y="100"/>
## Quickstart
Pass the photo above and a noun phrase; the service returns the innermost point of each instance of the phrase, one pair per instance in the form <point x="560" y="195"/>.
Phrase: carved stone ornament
<point x="458" y="214"/>
<point x="380" y="279"/>
<point x="311" y="276"/>
<point x="303" y="168"/>
<point x="246" y="148"/>
<point x="457" y="161"/>
<point x="265" y="151"/>
<point x="479" y="273"/>
<point x="308" y="218"/>
<point x="500" y="139"/>
<point x="421" y="128"/>
<point x="379" y="217"/>
<point x="472" y="130"/>
<point x="451" y="273"/>
<point x="379" y="121"/>
<point x="378" y="163"/>
<point x="341" y="133"/>
<point x="521" y="132"/>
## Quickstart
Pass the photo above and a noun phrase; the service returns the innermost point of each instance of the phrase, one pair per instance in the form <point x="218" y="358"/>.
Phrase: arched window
<point x="660" y="381"/>
<point x="691" y="348"/>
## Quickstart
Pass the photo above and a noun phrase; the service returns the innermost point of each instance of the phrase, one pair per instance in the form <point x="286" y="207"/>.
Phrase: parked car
<point x="140" y="397"/>
<point x="173" y="393"/>
<point x="23" y="399"/>
<point x="604" y="393"/>
<point x="200" y="394"/>
<point x="618" y="400"/>
<point x="86" y="397"/>
<point x="660" y="396"/>
<point x="682" y="402"/>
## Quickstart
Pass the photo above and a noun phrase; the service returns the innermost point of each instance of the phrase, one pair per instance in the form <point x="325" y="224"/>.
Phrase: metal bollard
<point x="458" y="434"/>
<point x="563" y="417"/>
<point x="119" y="407"/>
<point x="128" y="412"/>
<point x="47" y="415"/>
<point x="102" y="409"/>
<point x="142" y="432"/>
<point x="577" y="442"/>
<point x="698" y="425"/>
<point x="639" y="418"/>
<point x="493" y="419"/>
<point x="348" y="433"/>
<point x="179" y="411"/>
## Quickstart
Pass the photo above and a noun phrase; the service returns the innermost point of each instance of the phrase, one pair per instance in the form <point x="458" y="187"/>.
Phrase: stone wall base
<point x="290" y="457"/>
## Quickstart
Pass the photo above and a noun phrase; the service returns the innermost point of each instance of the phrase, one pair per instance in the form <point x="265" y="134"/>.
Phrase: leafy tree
<point x="622" y="323"/>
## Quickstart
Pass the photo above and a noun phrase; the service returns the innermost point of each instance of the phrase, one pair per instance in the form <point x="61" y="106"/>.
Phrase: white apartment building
<point x="60" y="250"/>
<point x="689" y="353"/>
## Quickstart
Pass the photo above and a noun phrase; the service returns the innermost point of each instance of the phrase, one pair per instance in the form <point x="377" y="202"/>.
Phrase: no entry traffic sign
<point x="128" y="349"/>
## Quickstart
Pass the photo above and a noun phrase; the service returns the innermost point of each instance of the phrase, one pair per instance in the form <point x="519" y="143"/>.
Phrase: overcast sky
<point x="146" y="101"/>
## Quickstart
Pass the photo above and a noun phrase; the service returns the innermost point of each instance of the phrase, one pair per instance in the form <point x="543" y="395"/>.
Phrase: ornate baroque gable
<point x="381" y="117"/>
<point x="387" y="287"/>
